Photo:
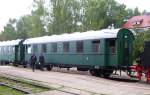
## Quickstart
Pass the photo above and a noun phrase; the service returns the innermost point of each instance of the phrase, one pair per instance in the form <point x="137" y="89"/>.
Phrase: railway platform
<point x="67" y="83"/>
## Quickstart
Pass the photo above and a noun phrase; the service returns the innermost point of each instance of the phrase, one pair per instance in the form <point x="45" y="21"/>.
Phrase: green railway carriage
<point x="98" y="51"/>
<point x="12" y="52"/>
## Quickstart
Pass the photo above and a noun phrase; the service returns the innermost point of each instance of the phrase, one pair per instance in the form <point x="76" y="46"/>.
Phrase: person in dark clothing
<point x="41" y="61"/>
<point x="33" y="61"/>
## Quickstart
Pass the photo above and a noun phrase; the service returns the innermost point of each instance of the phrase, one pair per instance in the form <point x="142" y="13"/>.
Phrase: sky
<point x="141" y="4"/>
<point x="16" y="8"/>
<point x="13" y="9"/>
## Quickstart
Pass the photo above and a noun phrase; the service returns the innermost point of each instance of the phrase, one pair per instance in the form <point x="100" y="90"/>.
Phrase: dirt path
<point x="80" y="83"/>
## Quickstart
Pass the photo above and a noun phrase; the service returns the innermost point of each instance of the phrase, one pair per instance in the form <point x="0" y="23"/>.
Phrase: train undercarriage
<point x="135" y="71"/>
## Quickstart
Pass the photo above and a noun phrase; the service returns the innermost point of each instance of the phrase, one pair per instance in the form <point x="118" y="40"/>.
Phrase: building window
<point x="79" y="46"/>
<point x="54" y="47"/>
<point x="44" y="48"/>
<point x="96" y="46"/>
<point x="138" y="22"/>
<point x="66" y="46"/>
<point x="112" y="46"/>
<point x="35" y="48"/>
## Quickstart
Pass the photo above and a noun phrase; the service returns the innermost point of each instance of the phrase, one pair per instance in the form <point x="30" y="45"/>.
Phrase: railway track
<point x="15" y="88"/>
<point x="15" y="84"/>
<point x="21" y="85"/>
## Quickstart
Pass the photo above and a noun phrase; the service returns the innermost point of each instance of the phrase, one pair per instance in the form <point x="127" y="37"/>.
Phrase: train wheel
<point x="94" y="72"/>
<point x="0" y="62"/>
<point x="15" y="64"/>
<point x="24" y="66"/>
<point x="107" y="73"/>
<point x="49" y="68"/>
<point x="100" y="73"/>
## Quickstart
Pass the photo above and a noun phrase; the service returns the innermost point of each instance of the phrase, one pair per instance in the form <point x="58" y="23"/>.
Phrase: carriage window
<point x="13" y="49"/>
<point x="79" y="46"/>
<point x="29" y="49"/>
<point x="0" y="50"/>
<point x="44" y="48"/>
<point x="8" y="50"/>
<point x="66" y="46"/>
<point x="26" y="48"/>
<point x="112" y="46"/>
<point x="4" y="50"/>
<point x="35" y="48"/>
<point x="54" y="47"/>
<point x="96" y="46"/>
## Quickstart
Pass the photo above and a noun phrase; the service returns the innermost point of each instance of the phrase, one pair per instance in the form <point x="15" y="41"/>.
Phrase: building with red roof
<point x="140" y="22"/>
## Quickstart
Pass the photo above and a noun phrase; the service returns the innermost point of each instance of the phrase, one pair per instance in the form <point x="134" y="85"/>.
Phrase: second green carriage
<point x="11" y="52"/>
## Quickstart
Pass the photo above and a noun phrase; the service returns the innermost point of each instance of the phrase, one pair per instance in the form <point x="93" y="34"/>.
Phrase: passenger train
<point x="100" y="52"/>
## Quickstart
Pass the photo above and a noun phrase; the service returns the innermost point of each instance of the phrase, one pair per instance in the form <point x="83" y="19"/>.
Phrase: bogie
<point x="101" y="72"/>
<point x="82" y="69"/>
<point x="49" y="67"/>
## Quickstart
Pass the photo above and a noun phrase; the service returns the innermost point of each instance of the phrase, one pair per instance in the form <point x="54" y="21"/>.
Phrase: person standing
<point x="41" y="61"/>
<point x="33" y="61"/>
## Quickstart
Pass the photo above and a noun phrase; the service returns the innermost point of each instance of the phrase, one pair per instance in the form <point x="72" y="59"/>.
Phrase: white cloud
<point x="141" y="4"/>
<point x="13" y="9"/>
<point x="17" y="8"/>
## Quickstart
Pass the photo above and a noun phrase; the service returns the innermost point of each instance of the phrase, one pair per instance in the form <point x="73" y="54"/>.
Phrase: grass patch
<point x="4" y="90"/>
<point x="22" y="85"/>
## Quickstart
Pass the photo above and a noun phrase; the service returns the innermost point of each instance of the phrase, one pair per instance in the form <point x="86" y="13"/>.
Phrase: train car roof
<point x="76" y="36"/>
<point x="10" y="43"/>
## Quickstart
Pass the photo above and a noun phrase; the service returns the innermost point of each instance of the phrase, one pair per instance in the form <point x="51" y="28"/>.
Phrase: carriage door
<point x="16" y="53"/>
<point x="22" y="53"/>
<point x="124" y="47"/>
<point x="110" y="55"/>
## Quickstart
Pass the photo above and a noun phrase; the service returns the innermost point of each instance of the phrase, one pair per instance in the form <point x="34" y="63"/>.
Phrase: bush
<point x="138" y="44"/>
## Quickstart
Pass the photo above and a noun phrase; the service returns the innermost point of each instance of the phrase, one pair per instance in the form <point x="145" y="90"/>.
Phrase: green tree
<point x="64" y="16"/>
<point x="38" y="16"/>
<point x="9" y="32"/>
<point x="23" y="27"/>
<point x="138" y="46"/>
<point x="93" y="16"/>
<point x="136" y="11"/>
<point x="32" y="25"/>
<point x="103" y="13"/>
<point x="36" y="25"/>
